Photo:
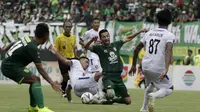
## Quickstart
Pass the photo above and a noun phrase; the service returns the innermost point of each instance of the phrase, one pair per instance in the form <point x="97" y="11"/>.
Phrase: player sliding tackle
<point x="155" y="64"/>
<point x="18" y="56"/>
<point x="81" y="80"/>
<point x="112" y="65"/>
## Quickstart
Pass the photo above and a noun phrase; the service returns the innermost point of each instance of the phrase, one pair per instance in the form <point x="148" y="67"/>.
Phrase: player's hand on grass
<point x="56" y="87"/>
<point x="163" y="75"/>
<point x="132" y="71"/>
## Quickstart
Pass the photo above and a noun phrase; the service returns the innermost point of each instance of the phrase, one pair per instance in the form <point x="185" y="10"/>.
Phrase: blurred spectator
<point x="23" y="11"/>
<point x="189" y="58"/>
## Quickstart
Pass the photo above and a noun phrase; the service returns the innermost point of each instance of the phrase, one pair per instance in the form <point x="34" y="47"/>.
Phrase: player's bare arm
<point x="88" y="46"/>
<point x="130" y="37"/>
<point x="59" y="56"/>
<point x="135" y="55"/>
<point x="44" y="74"/>
<point x="168" y="58"/>
<point x="6" y="48"/>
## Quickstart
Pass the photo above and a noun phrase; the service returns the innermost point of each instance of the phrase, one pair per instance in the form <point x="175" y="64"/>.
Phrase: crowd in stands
<point x="25" y="11"/>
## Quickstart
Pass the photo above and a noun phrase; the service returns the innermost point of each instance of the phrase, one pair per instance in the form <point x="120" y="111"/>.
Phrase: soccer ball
<point x="86" y="97"/>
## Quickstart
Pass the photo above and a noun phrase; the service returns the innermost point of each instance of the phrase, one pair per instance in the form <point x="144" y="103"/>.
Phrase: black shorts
<point x="63" y="67"/>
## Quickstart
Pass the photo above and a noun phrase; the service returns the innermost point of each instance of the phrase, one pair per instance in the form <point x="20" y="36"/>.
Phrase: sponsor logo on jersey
<point x="189" y="78"/>
<point x="113" y="58"/>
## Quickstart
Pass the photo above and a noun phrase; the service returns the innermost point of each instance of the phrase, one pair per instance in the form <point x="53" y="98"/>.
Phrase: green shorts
<point x="118" y="86"/>
<point x="16" y="75"/>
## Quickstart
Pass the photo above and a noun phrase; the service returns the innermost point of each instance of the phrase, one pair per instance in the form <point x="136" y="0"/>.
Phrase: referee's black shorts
<point x="63" y="67"/>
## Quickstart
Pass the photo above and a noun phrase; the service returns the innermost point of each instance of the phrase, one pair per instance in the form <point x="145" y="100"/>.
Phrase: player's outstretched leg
<point x="36" y="96"/>
<point x="163" y="92"/>
<point x="148" y="90"/>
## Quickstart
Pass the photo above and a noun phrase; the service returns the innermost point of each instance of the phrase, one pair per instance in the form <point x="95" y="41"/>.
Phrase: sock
<point x="37" y="93"/>
<point x="148" y="90"/>
<point x="100" y="89"/>
<point x="162" y="93"/>
<point x="32" y="99"/>
<point x="63" y="86"/>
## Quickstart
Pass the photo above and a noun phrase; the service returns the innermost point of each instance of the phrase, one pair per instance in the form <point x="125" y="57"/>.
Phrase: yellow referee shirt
<point x="65" y="45"/>
<point x="141" y="54"/>
<point x="197" y="60"/>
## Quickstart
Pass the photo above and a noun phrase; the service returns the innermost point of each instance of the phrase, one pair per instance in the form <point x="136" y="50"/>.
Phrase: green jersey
<point x="21" y="54"/>
<point x="110" y="58"/>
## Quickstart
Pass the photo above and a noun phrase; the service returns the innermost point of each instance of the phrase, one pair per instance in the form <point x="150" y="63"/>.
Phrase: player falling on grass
<point x="65" y="43"/>
<point x="112" y="66"/>
<point x="94" y="63"/>
<point x="18" y="56"/>
<point x="158" y="44"/>
<point x="81" y="80"/>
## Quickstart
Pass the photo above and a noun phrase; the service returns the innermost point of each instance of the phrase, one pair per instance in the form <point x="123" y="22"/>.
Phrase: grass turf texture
<point x="14" y="98"/>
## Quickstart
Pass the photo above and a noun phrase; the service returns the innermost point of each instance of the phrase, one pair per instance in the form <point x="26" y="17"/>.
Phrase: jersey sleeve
<point x="170" y="39"/>
<point x="96" y="49"/>
<point x="34" y="54"/>
<point x="143" y="39"/>
<point x="119" y="44"/>
<point x="85" y="36"/>
<point x="74" y="63"/>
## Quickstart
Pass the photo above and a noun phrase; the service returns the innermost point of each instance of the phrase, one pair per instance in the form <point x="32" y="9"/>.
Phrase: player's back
<point x="155" y="42"/>
<point x="76" y="71"/>
<point x="21" y="53"/>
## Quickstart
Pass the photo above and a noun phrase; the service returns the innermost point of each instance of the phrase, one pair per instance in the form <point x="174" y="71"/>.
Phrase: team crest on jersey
<point x="105" y="51"/>
<point x="115" y="49"/>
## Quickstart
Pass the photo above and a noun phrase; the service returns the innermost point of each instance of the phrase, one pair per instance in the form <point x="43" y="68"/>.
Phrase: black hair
<point x="189" y="50"/>
<point x="41" y="30"/>
<point x="95" y="19"/>
<point x="199" y="51"/>
<point x="164" y="17"/>
<point x="102" y="31"/>
<point x="83" y="57"/>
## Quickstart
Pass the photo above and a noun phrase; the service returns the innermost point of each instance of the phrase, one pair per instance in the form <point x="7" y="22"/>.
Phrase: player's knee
<point x="35" y="78"/>
<point x="128" y="100"/>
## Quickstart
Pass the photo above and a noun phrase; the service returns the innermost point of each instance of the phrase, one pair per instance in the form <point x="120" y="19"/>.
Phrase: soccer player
<point x="112" y="66"/>
<point x="197" y="59"/>
<point x="19" y="55"/>
<point x="66" y="46"/>
<point x="158" y="44"/>
<point x="94" y="63"/>
<point x="82" y="81"/>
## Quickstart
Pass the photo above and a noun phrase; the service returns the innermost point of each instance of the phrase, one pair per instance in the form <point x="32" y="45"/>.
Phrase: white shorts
<point x="153" y="78"/>
<point x="86" y="84"/>
<point x="94" y="62"/>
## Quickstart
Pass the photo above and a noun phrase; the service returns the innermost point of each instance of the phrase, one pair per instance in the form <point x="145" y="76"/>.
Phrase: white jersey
<point x="77" y="73"/>
<point x="81" y="81"/>
<point x="94" y="62"/>
<point x="155" y="42"/>
<point x="91" y="34"/>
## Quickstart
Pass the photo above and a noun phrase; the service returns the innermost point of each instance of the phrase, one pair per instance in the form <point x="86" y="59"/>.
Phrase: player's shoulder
<point x="60" y="36"/>
<point x="169" y="35"/>
<point x="75" y="61"/>
<point x="72" y="35"/>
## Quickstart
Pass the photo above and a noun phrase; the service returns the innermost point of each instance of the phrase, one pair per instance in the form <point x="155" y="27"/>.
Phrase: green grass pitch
<point x="14" y="98"/>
